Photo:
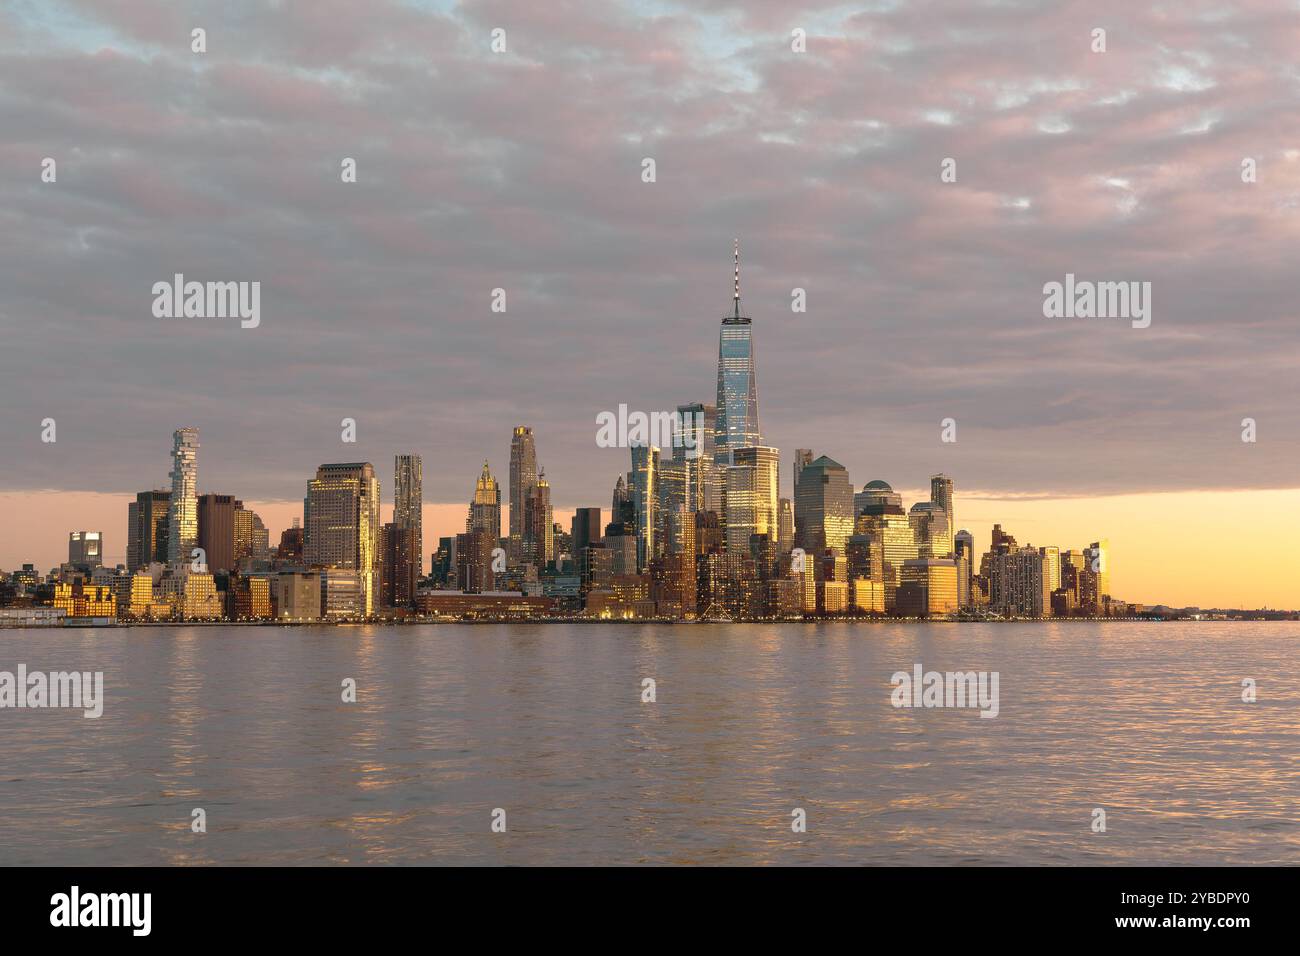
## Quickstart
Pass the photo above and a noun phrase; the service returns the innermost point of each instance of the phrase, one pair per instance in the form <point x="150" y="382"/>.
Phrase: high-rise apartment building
<point x="408" y="502"/>
<point x="183" y="506"/>
<point x="538" y="543"/>
<point x="341" y="526"/>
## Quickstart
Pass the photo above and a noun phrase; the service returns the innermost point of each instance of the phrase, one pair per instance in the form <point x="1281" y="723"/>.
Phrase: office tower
<point x="881" y="515"/>
<point x="1000" y="538"/>
<point x="785" y="526"/>
<point x="930" y="528"/>
<point x="673" y="493"/>
<point x="485" y="507"/>
<point x="473" y="561"/>
<point x="694" y="428"/>
<point x="252" y="539"/>
<point x="408" y="502"/>
<point x="341" y="527"/>
<point x="750" y="502"/>
<point x="217" y="531"/>
<point x="644" y="492"/>
<point x="538" y="542"/>
<point x="964" y="550"/>
<point x="875" y="496"/>
<point x="584" y="529"/>
<point x="802" y="459"/>
<point x="736" y="425"/>
<point x="86" y="548"/>
<point x="183" y="507"/>
<point x="679" y="531"/>
<point x="397" y="582"/>
<point x="823" y="505"/>
<point x="132" y="535"/>
<point x="291" y="545"/>
<point x="147" y="534"/>
<point x="928" y="587"/>
<point x="708" y="533"/>
<point x="941" y="494"/>
<point x="865" y="556"/>
<point x="523" y="476"/>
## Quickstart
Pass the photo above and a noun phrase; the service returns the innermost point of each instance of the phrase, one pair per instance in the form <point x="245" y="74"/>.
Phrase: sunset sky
<point x="522" y="170"/>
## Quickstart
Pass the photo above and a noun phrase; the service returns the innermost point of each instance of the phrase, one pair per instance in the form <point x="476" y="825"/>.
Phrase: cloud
<point x="522" y="171"/>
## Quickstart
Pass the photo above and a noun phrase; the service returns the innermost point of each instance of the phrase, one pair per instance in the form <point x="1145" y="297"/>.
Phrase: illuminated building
<point x="147" y="529"/>
<point x="86" y="549"/>
<point x="523" y="476"/>
<point x="881" y="515"/>
<point x="736" y="425"/>
<point x="930" y="528"/>
<point x="183" y="505"/>
<point x="644" y="492"/>
<point x="750" y="501"/>
<point x="341" y="525"/>
<point x="823" y="507"/>
<point x="538" y="545"/>
<point x="928" y="588"/>
<point x="941" y="494"/>
<point x="408" y="503"/>
<point x="485" y="506"/>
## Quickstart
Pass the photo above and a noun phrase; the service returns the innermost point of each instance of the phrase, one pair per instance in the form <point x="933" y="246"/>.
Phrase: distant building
<point x="523" y="476"/>
<point x="408" y="502"/>
<point x="86" y="549"/>
<point x="341" y="518"/>
<point x="183" y="505"/>
<point x="217" y="530"/>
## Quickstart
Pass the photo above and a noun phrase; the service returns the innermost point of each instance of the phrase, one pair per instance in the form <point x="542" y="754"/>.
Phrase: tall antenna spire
<point x="736" y="295"/>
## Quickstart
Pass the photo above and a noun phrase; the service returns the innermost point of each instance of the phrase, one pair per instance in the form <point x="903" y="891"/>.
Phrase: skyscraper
<point x="538" y="541"/>
<point x="183" y="506"/>
<point x="408" y="502"/>
<point x="823" y="506"/>
<point x="485" y="507"/>
<point x="881" y="514"/>
<point x="941" y="495"/>
<point x="736" y="425"/>
<point x="341" y="525"/>
<point x="217" y="530"/>
<point x="644" y="490"/>
<point x="751" y="503"/>
<point x="523" y="476"/>
<point x="147" y="531"/>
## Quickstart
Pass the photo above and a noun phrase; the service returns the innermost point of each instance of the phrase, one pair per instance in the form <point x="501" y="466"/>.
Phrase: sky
<point x="522" y="170"/>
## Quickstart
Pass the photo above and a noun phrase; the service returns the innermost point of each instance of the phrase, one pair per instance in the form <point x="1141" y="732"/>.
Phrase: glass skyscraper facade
<point x="183" y="506"/>
<point x="341" y="525"/>
<point x="736" y="425"/>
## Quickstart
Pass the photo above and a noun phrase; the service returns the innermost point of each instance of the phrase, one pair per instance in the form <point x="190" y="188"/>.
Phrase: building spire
<point x="736" y="294"/>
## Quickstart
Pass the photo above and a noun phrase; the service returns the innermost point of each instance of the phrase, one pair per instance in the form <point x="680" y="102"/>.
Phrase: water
<point x="546" y="721"/>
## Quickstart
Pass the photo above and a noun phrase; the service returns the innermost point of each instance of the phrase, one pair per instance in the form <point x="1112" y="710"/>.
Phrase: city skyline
<point x="747" y="473"/>
<point x="522" y="171"/>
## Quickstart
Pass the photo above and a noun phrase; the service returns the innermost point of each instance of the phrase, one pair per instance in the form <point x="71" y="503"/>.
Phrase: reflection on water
<point x="546" y="722"/>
